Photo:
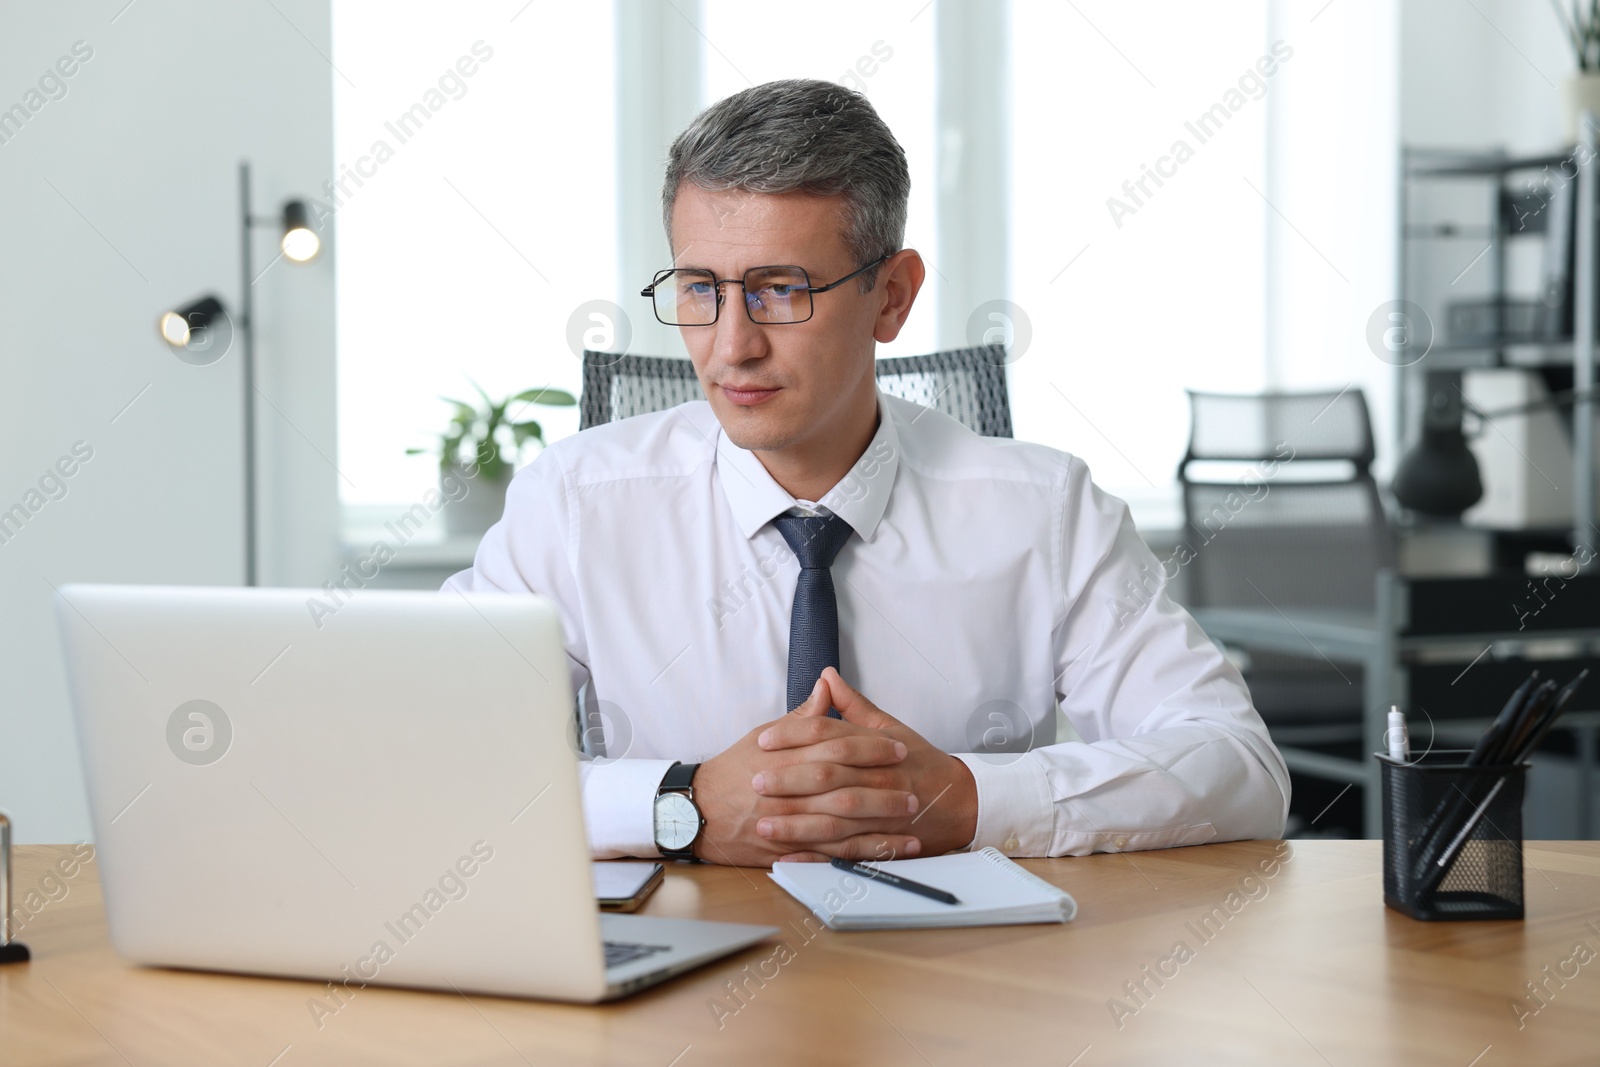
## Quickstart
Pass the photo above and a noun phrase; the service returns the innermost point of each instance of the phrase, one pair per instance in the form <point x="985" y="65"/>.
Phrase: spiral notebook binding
<point x="1006" y="863"/>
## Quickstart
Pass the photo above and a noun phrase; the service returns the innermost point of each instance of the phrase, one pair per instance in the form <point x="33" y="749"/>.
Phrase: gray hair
<point x="800" y="135"/>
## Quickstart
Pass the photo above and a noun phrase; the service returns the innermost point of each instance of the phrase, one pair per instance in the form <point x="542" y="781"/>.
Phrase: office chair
<point x="1300" y="539"/>
<point x="965" y="383"/>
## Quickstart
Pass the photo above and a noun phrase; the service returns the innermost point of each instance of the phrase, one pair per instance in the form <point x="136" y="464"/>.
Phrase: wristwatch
<point x="678" y="821"/>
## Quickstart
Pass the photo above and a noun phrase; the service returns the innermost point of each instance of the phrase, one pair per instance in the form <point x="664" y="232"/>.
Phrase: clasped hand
<point x="810" y="787"/>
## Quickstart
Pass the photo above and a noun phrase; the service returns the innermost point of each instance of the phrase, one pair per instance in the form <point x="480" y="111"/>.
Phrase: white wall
<point x="1472" y="80"/>
<point x="117" y="201"/>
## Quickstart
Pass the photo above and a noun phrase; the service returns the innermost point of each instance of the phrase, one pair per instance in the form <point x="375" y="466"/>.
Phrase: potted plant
<point x="478" y="449"/>
<point x="1581" y="90"/>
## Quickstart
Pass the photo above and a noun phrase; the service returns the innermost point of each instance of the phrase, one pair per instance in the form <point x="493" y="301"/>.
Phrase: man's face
<point x="775" y="387"/>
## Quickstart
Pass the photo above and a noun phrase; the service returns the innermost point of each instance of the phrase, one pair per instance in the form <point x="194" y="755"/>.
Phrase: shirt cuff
<point x="1015" y="812"/>
<point x="619" y="800"/>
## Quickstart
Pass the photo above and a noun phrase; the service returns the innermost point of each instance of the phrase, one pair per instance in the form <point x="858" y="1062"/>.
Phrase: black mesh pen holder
<point x="1452" y="838"/>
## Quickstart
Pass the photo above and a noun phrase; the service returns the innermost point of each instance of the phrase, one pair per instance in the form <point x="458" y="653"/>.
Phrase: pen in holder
<point x="1452" y="837"/>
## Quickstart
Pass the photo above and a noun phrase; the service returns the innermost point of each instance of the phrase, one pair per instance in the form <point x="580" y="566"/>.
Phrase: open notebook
<point x="993" y="892"/>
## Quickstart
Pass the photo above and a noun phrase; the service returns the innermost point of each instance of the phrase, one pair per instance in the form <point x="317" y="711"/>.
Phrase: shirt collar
<point x="860" y="497"/>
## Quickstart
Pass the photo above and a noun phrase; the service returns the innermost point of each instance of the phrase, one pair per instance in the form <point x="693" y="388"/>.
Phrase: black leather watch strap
<point x="679" y="779"/>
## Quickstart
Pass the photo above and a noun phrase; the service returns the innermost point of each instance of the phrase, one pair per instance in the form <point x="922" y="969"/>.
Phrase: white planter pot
<point x="479" y="509"/>
<point x="1581" y="91"/>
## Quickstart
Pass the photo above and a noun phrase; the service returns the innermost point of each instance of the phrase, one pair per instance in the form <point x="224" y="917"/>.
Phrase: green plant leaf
<point x="493" y="468"/>
<point x="548" y="397"/>
<point x="476" y="430"/>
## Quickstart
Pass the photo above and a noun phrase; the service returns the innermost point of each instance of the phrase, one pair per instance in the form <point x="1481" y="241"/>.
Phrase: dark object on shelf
<point x="1439" y="474"/>
<point x="1559" y="264"/>
<point x="1481" y="856"/>
<point x="1525" y="212"/>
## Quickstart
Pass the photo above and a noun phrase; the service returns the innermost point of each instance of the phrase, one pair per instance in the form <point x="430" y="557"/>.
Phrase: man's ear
<point x="900" y="279"/>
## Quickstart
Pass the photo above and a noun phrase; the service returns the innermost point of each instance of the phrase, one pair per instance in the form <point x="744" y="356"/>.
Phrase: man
<point x="729" y="571"/>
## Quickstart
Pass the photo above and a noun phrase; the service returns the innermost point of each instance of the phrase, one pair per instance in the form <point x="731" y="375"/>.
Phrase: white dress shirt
<point x="988" y="580"/>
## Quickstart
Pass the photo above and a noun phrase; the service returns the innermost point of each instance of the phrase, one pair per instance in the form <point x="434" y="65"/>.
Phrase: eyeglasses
<point x="772" y="295"/>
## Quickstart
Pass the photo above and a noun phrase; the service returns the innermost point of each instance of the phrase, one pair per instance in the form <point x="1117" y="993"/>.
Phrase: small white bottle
<point x="1399" y="741"/>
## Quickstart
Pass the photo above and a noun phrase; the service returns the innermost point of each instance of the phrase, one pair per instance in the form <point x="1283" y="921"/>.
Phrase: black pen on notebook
<point x="895" y="880"/>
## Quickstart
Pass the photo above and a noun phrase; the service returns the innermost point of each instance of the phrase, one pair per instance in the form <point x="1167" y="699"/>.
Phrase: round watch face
<point x="677" y="821"/>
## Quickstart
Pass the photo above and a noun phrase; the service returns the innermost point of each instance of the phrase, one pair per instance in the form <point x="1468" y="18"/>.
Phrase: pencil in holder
<point x="1452" y="837"/>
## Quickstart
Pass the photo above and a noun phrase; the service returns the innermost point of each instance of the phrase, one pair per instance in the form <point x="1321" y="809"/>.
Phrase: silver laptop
<point x="370" y="788"/>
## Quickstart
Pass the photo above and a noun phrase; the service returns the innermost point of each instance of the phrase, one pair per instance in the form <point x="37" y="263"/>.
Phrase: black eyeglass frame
<point x="661" y="276"/>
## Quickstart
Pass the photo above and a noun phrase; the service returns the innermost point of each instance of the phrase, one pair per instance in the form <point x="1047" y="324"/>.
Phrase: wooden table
<point x="1302" y="965"/>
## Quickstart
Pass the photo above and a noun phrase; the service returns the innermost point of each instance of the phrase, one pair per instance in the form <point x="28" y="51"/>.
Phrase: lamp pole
<point x="247" y="330"/>
<point x="178" y="328"/>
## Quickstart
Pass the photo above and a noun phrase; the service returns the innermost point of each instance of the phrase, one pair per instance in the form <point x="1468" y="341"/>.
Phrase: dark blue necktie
<point x="814" y="621"/>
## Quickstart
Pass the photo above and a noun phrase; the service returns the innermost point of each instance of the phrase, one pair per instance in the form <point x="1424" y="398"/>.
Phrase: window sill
<point x="428" y="547"/>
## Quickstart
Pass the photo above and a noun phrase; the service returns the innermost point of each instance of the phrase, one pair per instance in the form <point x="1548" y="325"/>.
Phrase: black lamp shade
<point x="178" y="326"/>
<point x="300" y="242"/>
<point x="1439" y="475"/>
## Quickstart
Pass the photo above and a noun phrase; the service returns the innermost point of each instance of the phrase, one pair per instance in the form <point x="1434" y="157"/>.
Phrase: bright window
<point x="1136" y="284"/>
<point x="487" y="217"/>
<point x="465" y="252"/>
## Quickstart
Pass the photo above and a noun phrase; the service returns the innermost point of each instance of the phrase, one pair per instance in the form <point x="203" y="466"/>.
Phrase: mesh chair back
<point x="968" y="384"/>
<point x="1250" y="427"/>
<point x="1259" y="540"/>
<point x="620" y="387"/>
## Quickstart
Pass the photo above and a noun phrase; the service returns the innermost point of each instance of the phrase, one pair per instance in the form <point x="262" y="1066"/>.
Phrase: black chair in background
<point x="968" y="384"/>
<point x="1290" y="541"/>
<point x="1282" y="515"/>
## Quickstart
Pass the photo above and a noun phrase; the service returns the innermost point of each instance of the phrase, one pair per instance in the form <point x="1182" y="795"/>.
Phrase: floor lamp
<point x="190" y="330"/>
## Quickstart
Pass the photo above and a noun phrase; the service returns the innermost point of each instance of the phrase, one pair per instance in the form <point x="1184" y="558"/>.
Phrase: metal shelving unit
<point x="1439" y="372"/>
